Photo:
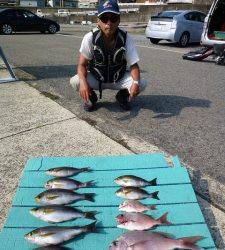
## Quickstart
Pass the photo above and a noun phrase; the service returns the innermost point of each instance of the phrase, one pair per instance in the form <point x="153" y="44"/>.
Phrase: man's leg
<point x="93" y="84"/>
<point x="124" y="86"/>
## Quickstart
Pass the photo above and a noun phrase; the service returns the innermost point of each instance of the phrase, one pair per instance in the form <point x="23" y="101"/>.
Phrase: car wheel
<point x="52" y="29"/>
<point x="6" y="29"/>
<point x="184" y="39"/>
<point x="154" y="40"/>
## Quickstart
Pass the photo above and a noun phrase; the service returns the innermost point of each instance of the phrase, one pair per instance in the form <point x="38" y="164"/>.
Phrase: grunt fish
<point x="139" y="221"/>
<point x="135" y="206"/>
<point x="61" y="197"/>
<point x="66" y="183"/>
<point x="134" y="181"/>
<point x="54" y="214"/>
<point x="135" y="193"/>
<point x="51" y="235"/>
<point x="66" y="171"/>
<point x="142" y="240"/>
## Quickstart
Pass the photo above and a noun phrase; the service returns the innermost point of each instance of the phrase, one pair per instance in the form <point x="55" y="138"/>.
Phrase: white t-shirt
<point x="86" y="49"/>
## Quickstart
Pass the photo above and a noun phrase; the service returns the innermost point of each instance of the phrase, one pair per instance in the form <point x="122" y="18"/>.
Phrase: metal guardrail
<point x="6" y="71"/>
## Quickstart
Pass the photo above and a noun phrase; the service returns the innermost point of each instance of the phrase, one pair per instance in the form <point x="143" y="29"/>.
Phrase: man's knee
<point x="74" y="82"/>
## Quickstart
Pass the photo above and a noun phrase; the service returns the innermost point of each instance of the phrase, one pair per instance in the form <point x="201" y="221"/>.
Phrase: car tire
<point x="52" y="29"/>
<point x="6" y="29"/>
<point x="154" y="40"/>
<point x="184" y="39"/>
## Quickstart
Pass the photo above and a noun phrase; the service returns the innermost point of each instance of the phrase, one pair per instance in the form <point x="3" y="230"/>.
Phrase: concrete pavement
<point x="33" y="125"/>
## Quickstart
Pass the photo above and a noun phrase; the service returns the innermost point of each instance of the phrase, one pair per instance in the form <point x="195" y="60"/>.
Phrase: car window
<point x="195" y="16"/>
<point x="8" y="13"/>
<point x="28" y="14"/>
<point x="201" y="17"/>
<point x="169" y="14"/>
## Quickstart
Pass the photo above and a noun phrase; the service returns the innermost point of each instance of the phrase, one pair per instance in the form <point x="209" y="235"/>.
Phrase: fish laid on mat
<point x="135" y="193"/>
<point x="141" y="240"/>
<point x="139" y="221"/>
<point x="66" y="171"/>
<point x="134" y="181"/>
<point x="56" y="214"/>
<point x="53" y="235"/>
<point x="66" y="183"/>
<point x="61" y="197"/>
<point x="135" y="206"/>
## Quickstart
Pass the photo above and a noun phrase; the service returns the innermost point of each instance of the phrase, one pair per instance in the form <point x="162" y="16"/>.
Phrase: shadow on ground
<point x="51" y="71"/>
<point x="164" y="106"/>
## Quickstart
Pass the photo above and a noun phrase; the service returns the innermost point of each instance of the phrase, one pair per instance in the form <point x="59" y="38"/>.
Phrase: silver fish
<point x="61" y="197"/>
<point x="134" y="181"/>
<point x="50" y="235"/>
<point x="54" y="214"/>
<point x="135" y="206"/>
<point x="66" y="171"/>
<point x="142" y="240"/>
<point x="66" y="183"/>
<point x="139" y="221"/>
<point x="135" y="193"/>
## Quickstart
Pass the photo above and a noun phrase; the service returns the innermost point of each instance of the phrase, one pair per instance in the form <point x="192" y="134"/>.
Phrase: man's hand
<point x="84" y="90"/>
<point x="134" y="90"/>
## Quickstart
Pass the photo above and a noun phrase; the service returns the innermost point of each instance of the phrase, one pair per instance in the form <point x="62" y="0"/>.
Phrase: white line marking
<point x="169" y="50"/>
<point x="141" y="46"/>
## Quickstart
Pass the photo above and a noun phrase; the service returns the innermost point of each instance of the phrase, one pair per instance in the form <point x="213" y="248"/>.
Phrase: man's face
<point x="108" y="23"/>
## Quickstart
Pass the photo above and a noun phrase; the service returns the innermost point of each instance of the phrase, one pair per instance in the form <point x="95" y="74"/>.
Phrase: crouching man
<point x="105" y="53"/>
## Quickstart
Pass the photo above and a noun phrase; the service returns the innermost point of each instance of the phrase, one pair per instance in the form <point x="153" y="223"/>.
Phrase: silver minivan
<point x="214" y="25"/>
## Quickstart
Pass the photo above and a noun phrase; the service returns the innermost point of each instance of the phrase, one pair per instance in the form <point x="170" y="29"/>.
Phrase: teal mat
<point x="175" y="192"/>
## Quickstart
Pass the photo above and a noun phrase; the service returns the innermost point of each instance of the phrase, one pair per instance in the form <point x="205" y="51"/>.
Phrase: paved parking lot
<point x="181" y="111"/>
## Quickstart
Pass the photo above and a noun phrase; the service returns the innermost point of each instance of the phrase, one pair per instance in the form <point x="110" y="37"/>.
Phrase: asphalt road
<point x="181" y="111"/>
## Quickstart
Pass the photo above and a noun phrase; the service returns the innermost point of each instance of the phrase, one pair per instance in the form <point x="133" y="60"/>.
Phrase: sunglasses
<point x="111" y="18"/>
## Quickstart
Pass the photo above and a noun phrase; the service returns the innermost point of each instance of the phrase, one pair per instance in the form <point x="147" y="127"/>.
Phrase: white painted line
<point x="169" y="50"/>
<point x="141" y="46"/>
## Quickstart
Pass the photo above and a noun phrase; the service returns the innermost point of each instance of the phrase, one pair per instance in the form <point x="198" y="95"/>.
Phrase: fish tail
<point x="153" y="182"/>
<point x="89" y="197"/>
<point x="91" y="227"/>
<point x="152" y="207"/>
<point x="90" y="215"/>
<point x="86" y="169"/>
<point x="163" y="219"/>
<point x="154" y="195"/>
<point x="189" y="242"/>
<point x="88" y="184"/>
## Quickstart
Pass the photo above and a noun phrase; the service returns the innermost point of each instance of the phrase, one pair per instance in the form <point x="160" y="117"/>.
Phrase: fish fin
<point x="152" y="207"/>
<point x="89" y="184"/>
<point x="86" y="169"/>
<point x="155" y="195"/>
<point x="163" y="219"/>
<point x="190" y="241"/>
<point x="89" y="197"/>
<point x="52" y="197"/>
<point x="90" y="215"/>
<point x="153" y="182"/>
<point x="91" y="227"/>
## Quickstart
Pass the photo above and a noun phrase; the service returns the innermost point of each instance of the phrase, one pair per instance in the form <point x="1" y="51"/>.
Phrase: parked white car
<point x="63" y="12"/>
<point x="86" y="23"/>
<point x="214" y="25"/>
<point x="179" y="26"/>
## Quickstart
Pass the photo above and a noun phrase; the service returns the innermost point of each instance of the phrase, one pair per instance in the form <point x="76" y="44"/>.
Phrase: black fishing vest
<point x="108" y="66"/>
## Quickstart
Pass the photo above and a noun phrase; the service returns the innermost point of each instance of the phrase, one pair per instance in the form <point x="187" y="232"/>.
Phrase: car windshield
<point x="169" y="14"/>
